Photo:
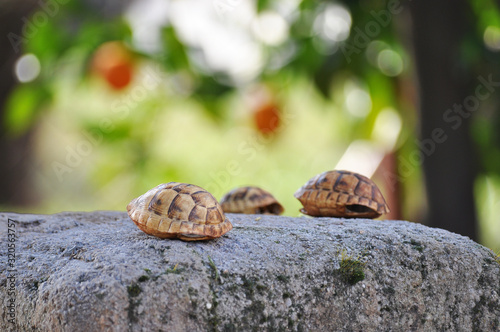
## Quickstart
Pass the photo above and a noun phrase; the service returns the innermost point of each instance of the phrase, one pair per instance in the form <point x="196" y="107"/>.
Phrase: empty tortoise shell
<point x="179" y="210"/>
<point x="341" y="194"/>
<point x="250" y="200"/>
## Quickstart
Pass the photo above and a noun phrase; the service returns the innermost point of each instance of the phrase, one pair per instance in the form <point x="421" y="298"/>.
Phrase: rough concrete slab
<point x="97" y="271"/>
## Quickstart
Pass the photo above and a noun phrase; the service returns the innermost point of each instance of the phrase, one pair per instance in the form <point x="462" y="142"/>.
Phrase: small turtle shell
<point x="341" y="194"/>
<point x="250" y="200"/>
<point x="179" y="210"/>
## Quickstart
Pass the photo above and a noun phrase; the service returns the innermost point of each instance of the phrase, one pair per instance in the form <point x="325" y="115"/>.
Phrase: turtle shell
<point x="250" y="200"/>
<point x="179" y="210"/>
<point x="341" y="194"/>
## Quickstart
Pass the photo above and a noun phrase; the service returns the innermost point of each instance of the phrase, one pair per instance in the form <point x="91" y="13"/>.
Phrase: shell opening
<point x="194" y="236"/>
<point x="274" y="208"/>
<point x="357" y="208"/>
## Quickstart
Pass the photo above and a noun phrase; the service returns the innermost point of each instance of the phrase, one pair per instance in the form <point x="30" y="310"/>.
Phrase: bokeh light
<point x="387" y="128"/>
<point x="357" y="100"/>
<point x="146" y="20"/>
<point x="390" y="63"/>
<point x="333" y="22"/>
<point x="362" y="157"/>
<point x="491" y="38"/>
<point x="270" y="28"/>
<point x="373" y="50"/>
<point x="27" y="68"/>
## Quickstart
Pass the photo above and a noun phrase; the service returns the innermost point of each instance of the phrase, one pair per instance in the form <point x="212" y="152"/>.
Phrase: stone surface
<point x="98" y="272"/>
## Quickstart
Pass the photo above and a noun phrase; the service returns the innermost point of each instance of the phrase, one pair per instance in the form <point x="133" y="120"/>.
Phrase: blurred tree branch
<point x="439" y="29"/>
<point x="14" y="151"/>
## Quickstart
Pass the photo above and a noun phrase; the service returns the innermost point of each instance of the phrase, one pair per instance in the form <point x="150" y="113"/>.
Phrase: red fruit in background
<point x="119" y="75"/>
<point x="112" y="61"/>
<point x="267" y="118"/>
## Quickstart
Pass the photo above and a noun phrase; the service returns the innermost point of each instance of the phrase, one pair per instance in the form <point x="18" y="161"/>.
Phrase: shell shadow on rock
<point x="179" y="210"/>
<point x="341" y="194"/>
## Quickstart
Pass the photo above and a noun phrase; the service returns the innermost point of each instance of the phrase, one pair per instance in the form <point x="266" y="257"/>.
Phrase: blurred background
<point x="102" y="100"/>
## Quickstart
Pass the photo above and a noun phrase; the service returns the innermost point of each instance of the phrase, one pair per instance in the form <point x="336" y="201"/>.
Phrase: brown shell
<point x="341" y="194"/>
<point x="179" y="210"/>
<point x="250" y="200"/>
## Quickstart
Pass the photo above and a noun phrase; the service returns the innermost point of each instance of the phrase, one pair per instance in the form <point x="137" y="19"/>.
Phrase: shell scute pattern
<point x="341" y="194"/>
<point x="250" y="200"/>
<point x="179" y="210"/>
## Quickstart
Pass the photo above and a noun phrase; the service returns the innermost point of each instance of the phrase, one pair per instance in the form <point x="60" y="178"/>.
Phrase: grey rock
<point x="98" y="272"/>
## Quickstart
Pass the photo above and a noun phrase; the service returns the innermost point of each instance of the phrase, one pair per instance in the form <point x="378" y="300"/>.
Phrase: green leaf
<point x="175" y="52"/>
<point x="262" y="4"/>
<point x="22" y="108"/>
